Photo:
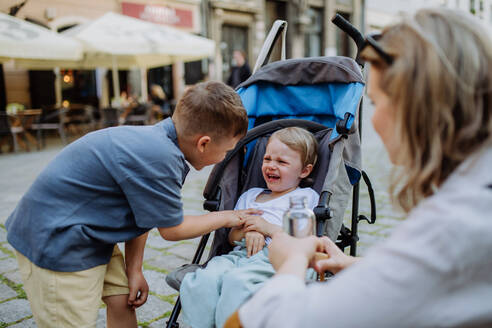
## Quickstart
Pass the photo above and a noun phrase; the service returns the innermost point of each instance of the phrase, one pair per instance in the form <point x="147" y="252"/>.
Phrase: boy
<point x="115" y="185"/>
<point x="228" y="280"/>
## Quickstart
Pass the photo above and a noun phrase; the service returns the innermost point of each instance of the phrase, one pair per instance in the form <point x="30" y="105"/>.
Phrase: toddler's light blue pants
<point x="210" y="295"/>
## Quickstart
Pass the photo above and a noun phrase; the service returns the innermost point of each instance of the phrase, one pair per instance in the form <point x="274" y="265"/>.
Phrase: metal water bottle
<point x="299" y="220"/>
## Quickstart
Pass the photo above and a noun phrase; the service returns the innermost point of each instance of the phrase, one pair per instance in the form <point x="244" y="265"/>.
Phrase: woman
<point x="431" y="84"/>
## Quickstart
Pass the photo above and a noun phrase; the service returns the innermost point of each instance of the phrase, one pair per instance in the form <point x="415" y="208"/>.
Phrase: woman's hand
<point x="255" y="242"/>
<point x="139" y="289"/>
<point x="336" y="260"/>
<point x="237" y="218"/>
<point x="292" y="255"/>
<point x="257" y="223"/>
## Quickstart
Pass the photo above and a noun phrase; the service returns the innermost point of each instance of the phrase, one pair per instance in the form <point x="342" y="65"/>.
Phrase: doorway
<point x="233" y="38"/>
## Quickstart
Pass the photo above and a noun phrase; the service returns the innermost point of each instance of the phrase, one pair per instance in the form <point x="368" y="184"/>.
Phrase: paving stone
<point x="153" y="308"/>
<point x="388" y="221"/>
<point x="28" y="323"/>
<point x="159" y="242"/>
<point x="121" y="246"/>
<point x="6" y="292"/>
<point x="163" y="323"/>
<point x="168" y="262"/>
<point x="3" y="235"/>
<point x="14" y="310"/>
<point x="14" y="276"/>
<point x="101" y="318"/>
<point x="185" y="250"/>
<point x="8" y="247"/>
<point x="386" y="232"/>
<point x="8" y="264"/>
<point x="150" y="253"/>
<point x="157" y="283"/>
<point x="365" y="227"/>
<point x="3" y="255"/>
<point x="370" y="239"/>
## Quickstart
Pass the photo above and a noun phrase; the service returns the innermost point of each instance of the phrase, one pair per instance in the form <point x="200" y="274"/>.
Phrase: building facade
<point x="244" y="24"/>
<point x="36" y="88"/>
<point x="380" y="13"/>
<point x="232" y="24"/>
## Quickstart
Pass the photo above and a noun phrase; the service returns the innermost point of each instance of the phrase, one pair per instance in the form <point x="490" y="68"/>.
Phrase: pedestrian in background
<point x="240" y="70"/>
<point x="431" y="84"/>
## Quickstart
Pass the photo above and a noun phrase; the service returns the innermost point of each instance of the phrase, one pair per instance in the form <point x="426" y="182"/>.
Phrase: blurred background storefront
<point x="232" y="24"/>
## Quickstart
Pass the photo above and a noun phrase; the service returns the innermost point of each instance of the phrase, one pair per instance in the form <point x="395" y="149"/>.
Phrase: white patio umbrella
<point x="29" y="42"/>
<point x="119" y="41"/>
<point x="31" y="45"/>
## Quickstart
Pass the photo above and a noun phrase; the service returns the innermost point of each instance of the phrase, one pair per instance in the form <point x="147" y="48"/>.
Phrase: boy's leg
<point x="118" y="313"/>
<point x="242" y="282"/>
<point x="62" y="299"/>
<point x="115" y="293"/>
<point x="200" y="290"/>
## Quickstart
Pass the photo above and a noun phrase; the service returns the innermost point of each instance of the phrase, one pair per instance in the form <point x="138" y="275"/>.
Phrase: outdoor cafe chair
<point x="51" y="118"/>
<point x="9" y="131"/>
<point x="140" y="115"/>
<point x="109" y="117"/>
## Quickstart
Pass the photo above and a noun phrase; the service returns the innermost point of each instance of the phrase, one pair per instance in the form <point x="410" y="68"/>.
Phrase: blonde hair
<point x="211" y="108"/>
<point x="441" y="85"/>
<point x="301" y="141"/>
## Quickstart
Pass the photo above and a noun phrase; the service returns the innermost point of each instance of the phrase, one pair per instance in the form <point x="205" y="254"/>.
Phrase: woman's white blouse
<point x="434" y="271"/>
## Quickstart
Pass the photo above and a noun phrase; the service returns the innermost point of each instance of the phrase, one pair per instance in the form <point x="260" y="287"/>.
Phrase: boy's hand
<point x="257" y="223"/>
<point x="236" y="218"/>
<point x="254" y="242"/>
<point x="139" y="290"/>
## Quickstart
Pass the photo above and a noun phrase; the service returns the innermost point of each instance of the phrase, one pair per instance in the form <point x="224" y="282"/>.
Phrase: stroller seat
<point x="229" y="179"/>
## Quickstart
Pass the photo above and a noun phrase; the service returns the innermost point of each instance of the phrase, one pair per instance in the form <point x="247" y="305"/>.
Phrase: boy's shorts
<point x="71" y="299"/>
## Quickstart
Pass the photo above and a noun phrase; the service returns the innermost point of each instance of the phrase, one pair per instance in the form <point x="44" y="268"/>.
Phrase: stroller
<point x="322" y="95"/>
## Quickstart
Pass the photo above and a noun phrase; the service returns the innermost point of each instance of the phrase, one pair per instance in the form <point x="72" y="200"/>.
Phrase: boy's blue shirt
<point x="109" y="186"/>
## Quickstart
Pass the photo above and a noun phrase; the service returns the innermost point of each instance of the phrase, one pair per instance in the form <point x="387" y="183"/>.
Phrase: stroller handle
<point x="279" y="27"/>
<point x="350" y="29"/>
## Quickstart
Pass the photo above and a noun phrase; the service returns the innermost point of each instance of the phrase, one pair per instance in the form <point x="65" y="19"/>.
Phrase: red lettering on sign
<point x="165" y="15"/>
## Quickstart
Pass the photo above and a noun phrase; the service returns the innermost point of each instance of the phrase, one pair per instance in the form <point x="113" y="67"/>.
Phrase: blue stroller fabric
<point x="325" y="103"/>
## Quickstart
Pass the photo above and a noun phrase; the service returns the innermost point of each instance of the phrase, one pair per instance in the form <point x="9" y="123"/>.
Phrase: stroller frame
<point x="347" y="237"/>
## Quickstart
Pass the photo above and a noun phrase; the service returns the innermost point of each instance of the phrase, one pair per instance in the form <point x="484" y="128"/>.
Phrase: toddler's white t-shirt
<point x="273" y="210"/>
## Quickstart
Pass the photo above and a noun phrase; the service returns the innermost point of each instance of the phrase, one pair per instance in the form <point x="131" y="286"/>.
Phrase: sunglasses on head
<point x="372" y="41"/>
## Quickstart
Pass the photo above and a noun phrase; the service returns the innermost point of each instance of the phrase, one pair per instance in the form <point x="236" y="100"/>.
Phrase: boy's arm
<point x="198" y="225"/>
<point x="134" y="250"/>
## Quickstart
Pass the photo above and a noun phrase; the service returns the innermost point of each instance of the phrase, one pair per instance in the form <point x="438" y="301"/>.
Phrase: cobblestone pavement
<point x="17" y="171"/>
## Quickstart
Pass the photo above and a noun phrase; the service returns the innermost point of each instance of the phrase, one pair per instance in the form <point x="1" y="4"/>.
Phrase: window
<point x="313" y="38"/>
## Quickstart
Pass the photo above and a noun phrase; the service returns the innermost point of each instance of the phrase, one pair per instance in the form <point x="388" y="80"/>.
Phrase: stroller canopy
<point x="320" y="89"/>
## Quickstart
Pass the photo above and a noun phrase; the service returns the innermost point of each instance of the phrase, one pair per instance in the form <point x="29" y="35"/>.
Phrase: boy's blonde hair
<point x="301" y="141"/>
<point x="441" y="85"/>
<point x="211" y="108"/>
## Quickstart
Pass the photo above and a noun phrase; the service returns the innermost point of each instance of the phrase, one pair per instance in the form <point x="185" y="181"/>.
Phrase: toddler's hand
<point x="255" y="242"/>
<point x="257" y="223"/>
<point x="236" y="218"/>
